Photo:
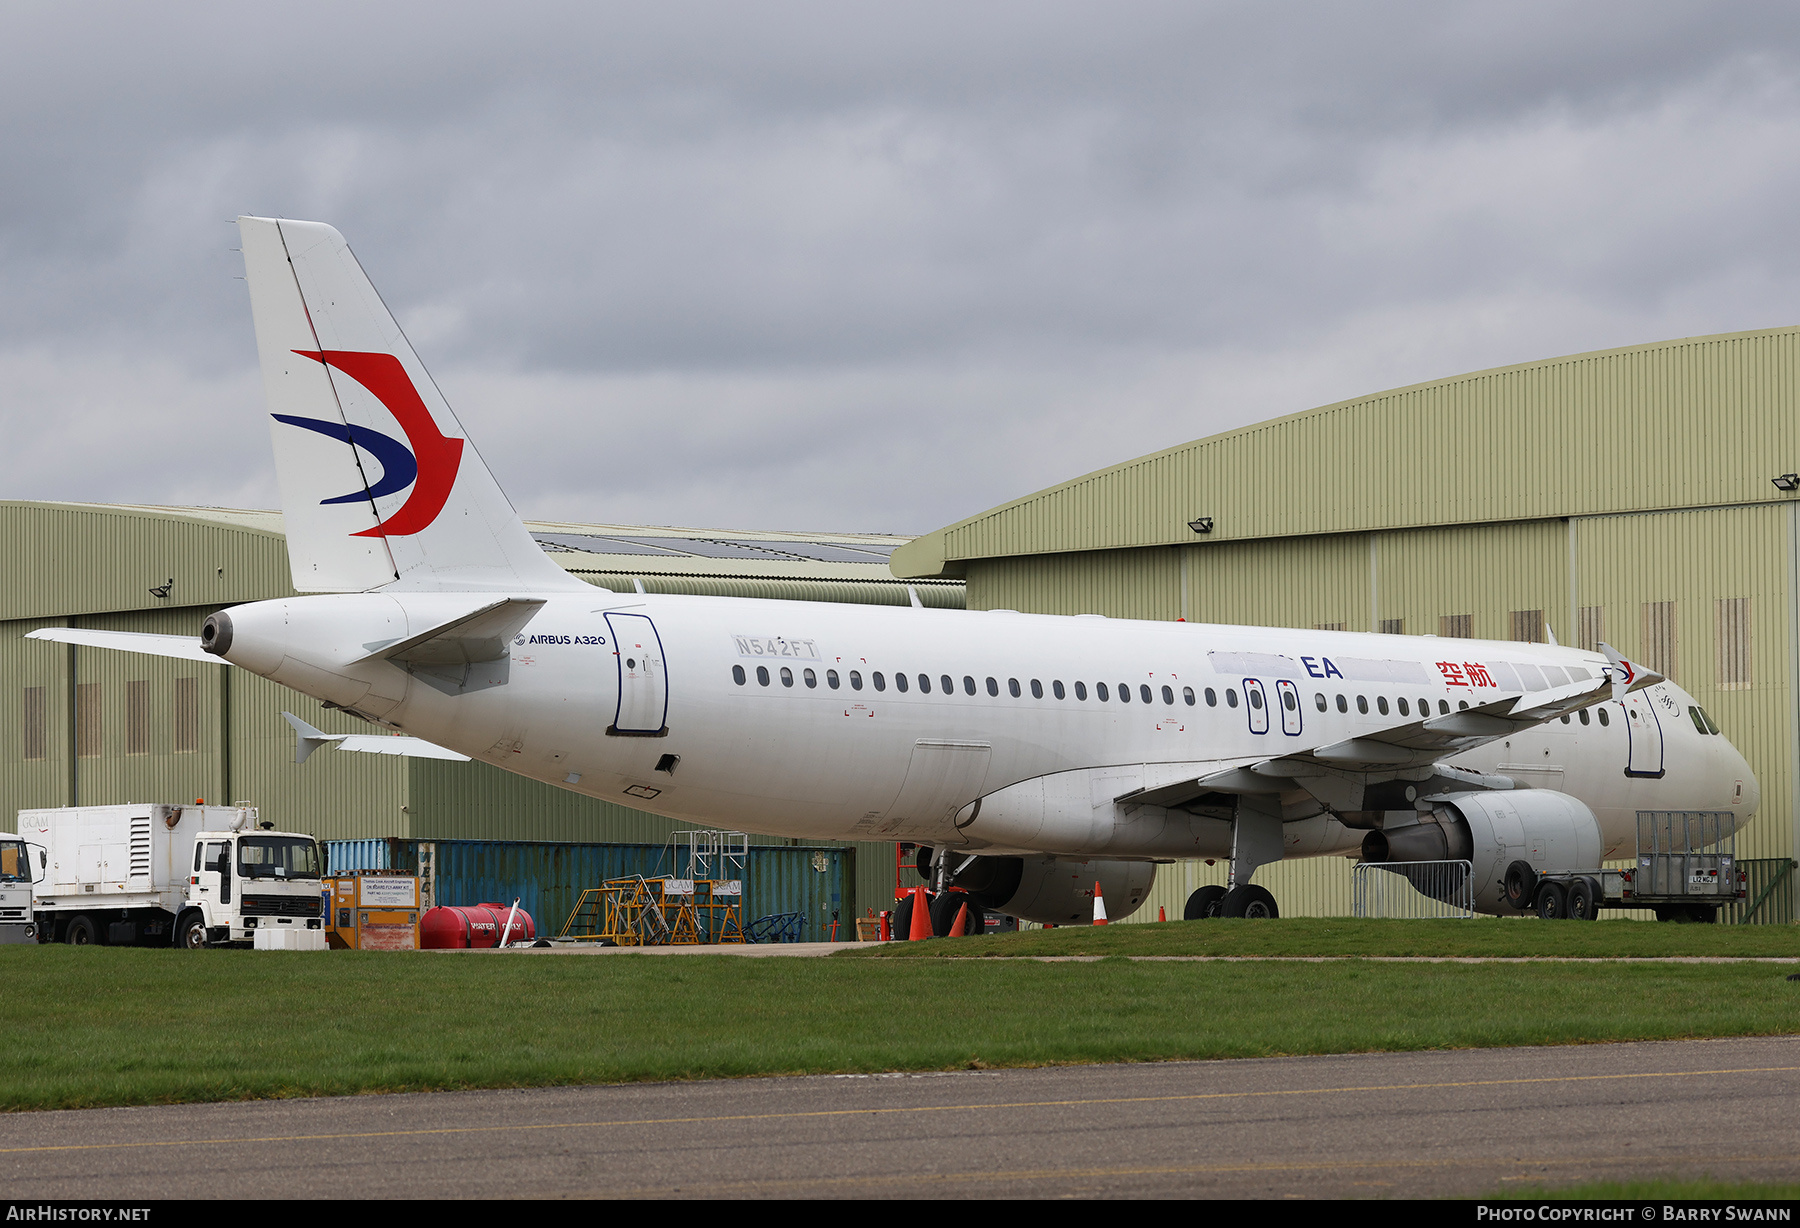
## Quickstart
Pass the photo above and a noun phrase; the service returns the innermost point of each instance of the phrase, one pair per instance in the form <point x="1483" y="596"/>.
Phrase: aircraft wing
<point x="1339" y="773"/>
<point x="308" y="739"/>
<point x="182" y="647"/>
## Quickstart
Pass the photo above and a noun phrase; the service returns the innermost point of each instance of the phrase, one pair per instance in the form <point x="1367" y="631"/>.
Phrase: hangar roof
<point x="1693" y="422"/>
<point x="85" y="558"/>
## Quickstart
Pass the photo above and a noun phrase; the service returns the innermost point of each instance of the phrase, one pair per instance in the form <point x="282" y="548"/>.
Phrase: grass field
<point x="107" y="1026"/>
<point x="1345" y="936"/>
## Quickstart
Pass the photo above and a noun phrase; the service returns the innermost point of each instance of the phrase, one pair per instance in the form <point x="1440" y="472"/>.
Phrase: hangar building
<point x="96" y="727"/>
<point x="1645" y="496"/>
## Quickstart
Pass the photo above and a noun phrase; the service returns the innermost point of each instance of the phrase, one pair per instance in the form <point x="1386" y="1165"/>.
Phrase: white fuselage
<point x="789" y="718"/>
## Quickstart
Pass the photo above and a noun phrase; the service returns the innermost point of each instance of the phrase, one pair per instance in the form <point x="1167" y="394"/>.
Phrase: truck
<point x="16" y="924"/>
<point x="158" y="875"/>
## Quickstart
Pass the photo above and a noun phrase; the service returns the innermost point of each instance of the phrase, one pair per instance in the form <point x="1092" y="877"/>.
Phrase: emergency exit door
<point x="643" y="709"/>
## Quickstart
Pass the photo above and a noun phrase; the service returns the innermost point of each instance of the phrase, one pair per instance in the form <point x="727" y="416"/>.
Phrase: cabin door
<point x="643" y="681"/>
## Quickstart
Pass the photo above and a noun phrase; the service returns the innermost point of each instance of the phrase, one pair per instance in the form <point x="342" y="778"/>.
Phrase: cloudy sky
<point x="854" y="267"/>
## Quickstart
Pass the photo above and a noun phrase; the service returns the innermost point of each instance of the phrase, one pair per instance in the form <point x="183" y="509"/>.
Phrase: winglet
<point x="307" y="739"/>
<point x="1626" y="676"/>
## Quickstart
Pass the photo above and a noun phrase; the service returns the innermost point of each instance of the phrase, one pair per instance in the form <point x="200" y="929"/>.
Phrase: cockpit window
<point x="1702" y="721"/>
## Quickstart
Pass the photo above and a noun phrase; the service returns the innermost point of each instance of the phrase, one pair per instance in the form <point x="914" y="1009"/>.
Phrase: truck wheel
<point x="1552" y="902"/>
<point x="81" y="932"/>
<point x="1584" y="900"/>
<point x="1521" y="885"/>
<point x="1203" y="905"/>
<point x="191" y="933"/>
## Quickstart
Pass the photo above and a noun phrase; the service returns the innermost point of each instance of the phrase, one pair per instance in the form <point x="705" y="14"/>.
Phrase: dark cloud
<point x="865" y="265"/>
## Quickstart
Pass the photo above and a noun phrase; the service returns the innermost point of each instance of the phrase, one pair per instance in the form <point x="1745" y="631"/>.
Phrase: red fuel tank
<point x="478" y="925"/>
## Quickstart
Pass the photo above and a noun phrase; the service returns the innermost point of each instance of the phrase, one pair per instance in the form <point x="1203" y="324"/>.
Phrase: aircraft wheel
<point x="1203" y="905"/>
<point x="1521" y="885"/>
<point x="1552" y="902"/>
<point x="944" y="909"/>
<point x="1249" y="901"/>
<point x="900" y="924"/>
<point x="1584" y="900"/>
<point x="81" y="932"/>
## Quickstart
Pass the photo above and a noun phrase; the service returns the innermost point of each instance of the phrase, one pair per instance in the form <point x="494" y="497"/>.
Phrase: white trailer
<point x="149" y="874"/>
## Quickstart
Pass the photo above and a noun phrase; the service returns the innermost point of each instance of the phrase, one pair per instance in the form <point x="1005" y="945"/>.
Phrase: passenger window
<point x="1124" y="692"/>
<point x="1100" y="691"/>
<point x="1255" y="698"/>
<point x="1362" y="704"/>
<point x="1444" y="706"/>
<point x="1604" y="720"/>
<point x="1424" y="707"/>
<point x="787" y="676"/>
<point x="855" y="681"/>
<point x="900" y="682"/>
<point x="762" y="675"/>
<point x="1381" y="704"/>
<point x="1144" y="693"/>
<point x="1056" y="688"/>
<point x="1565" y="718"/>
<point x="949" y="685"/>
<point x="879" y="681"/>
<point x="1212" y="698"/>
<point x="1187" y="695"/>
<point x="1462" y="705"/>
<point x="968" y="684"/>
<point x="1037" y="689"/>
<point x="1168" y="695"/>
<point x="1319" y="701"/>
<point x="1585" y="719"/>
<point x="1081" y="690"/>
<point x="924" y="684"/>
<point x="831" y="679"/>
<point x="1404" y="710"/>
<point x="1230" y="698"/>
<point x="1343" y="705"/>
<point x="1012" y="687"/>
<point x="737" y="674"/>
<point x="812" y="679"/>
<point x="1289" y="701"/>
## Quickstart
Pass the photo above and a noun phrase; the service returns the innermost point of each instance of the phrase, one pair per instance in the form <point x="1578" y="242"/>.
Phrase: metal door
<point x="1256" y="706"/>
<point x="643" y="679"/>
<point x="1645" y="757"/>
<point x="1289" y="697"/>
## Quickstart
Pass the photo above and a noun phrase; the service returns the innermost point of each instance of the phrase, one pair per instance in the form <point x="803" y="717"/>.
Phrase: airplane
<point x="1033" y="759"/>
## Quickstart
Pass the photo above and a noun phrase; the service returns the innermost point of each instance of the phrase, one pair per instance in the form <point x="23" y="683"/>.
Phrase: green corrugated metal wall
<point x="1693" y="422"/>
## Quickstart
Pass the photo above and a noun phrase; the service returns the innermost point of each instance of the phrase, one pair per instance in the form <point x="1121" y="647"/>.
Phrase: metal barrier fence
<point x="1413" y="889"/>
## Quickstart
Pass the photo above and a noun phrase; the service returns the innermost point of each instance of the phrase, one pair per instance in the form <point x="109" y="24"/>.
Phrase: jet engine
<point x="1546" y="829"/>
<point x="1056" y="890"/>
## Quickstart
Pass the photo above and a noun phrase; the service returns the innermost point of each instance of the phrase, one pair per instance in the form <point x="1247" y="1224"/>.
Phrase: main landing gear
<point x="1247" y="900"/>
<point x="945" y="906"/>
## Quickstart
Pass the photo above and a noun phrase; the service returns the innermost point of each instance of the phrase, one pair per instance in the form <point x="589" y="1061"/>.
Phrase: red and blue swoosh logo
<point x="429" y="465"/>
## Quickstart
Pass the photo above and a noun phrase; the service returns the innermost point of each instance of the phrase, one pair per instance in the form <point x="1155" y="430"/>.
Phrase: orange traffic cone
<point x="1161" y="914"/>
<point x="961" y="927"/>
<point x="921" y="917"/>
<point x="1099" y="907"/>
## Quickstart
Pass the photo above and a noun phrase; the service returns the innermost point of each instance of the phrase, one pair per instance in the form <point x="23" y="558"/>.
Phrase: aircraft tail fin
<point x="380" y="485"/>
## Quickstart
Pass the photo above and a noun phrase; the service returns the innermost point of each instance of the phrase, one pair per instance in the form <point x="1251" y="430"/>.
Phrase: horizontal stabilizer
<point x="181" y="647"/>
<point x="480" y="635"/>
<point x="309" y="739"/>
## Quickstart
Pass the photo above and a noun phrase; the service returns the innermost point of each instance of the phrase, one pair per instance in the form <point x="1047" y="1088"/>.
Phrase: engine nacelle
<point x="1547" y="829"/>
<point x="1057" y="890"/>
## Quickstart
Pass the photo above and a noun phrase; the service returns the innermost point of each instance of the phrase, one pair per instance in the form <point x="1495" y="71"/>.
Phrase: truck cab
<point x="244" y="881"/>
<point x="16" y="921"/>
